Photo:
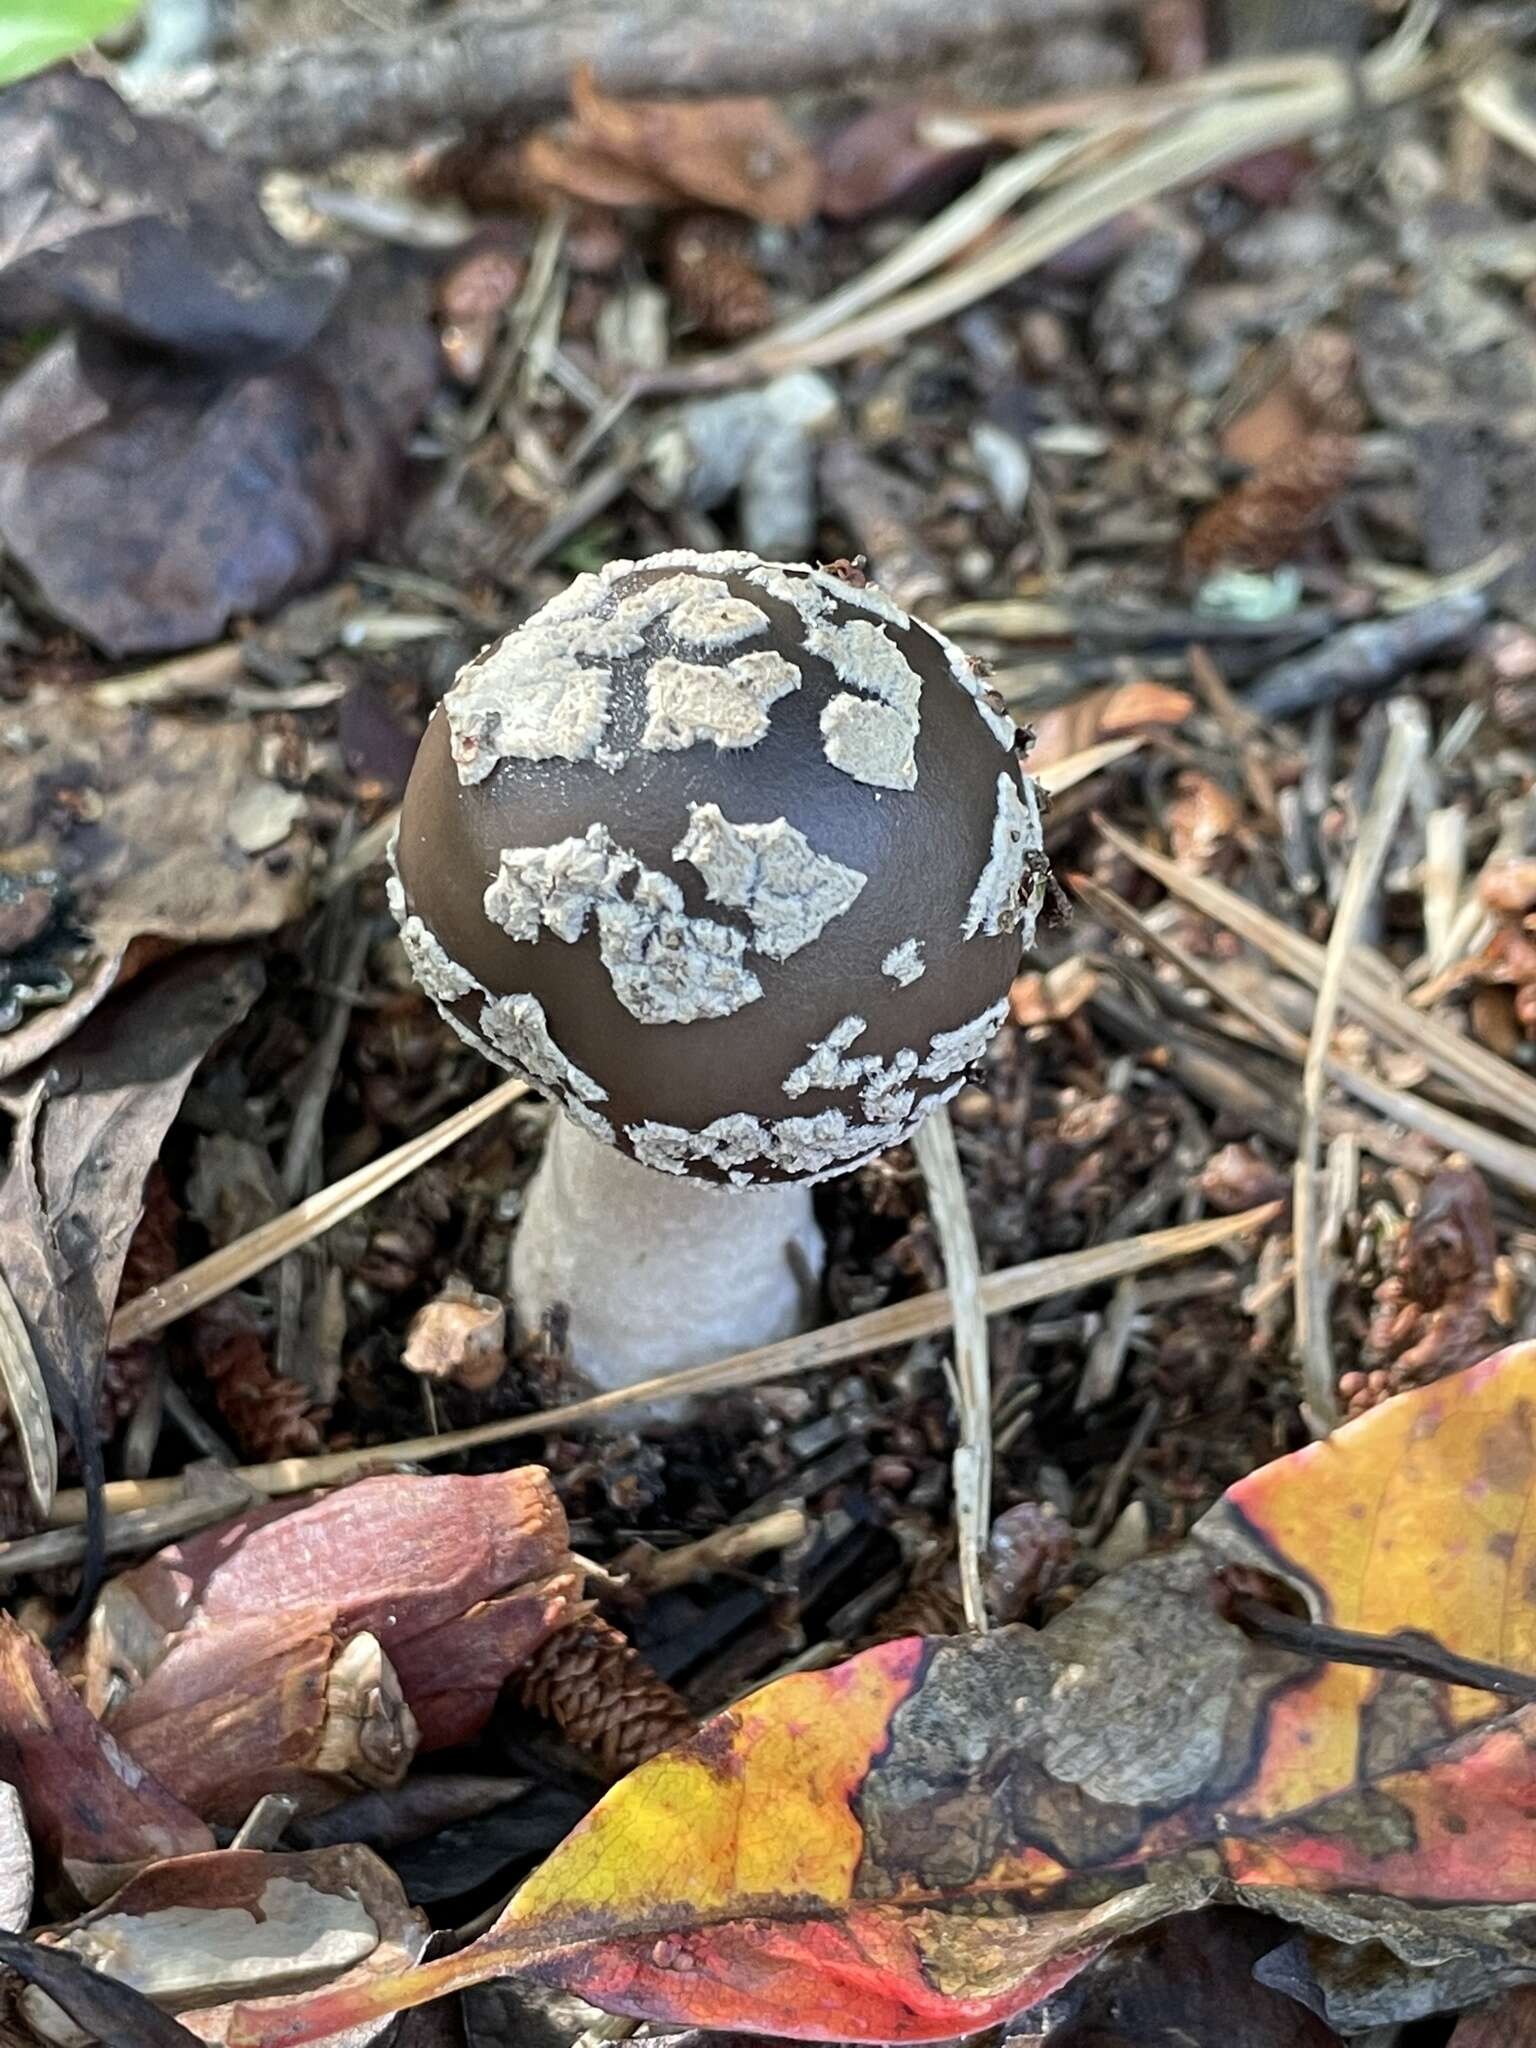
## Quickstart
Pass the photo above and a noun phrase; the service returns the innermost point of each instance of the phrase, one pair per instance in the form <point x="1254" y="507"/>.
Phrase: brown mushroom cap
<point x="731" y="858"/>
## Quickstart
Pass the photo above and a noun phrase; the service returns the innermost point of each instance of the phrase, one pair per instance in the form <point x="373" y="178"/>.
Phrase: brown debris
<point x="1434" y="1311"/>
<point x="270" y="1416"/>
<point x="461" y="1336"/>
<point x="91" y="1811"/>
<point x="739" y="154"/>
<point x="603" y="1697"/>
<point x="719" y="289"/>
<point x="1263" y="522"/>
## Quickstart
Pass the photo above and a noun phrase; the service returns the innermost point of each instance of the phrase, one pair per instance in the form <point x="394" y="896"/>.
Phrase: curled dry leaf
<point x="93" y="1813"/>
<point x="151" y="503"/>
<point x="1201" y="819"/>
<point x="738" y="154"/>
<point x="890" y="1850"/>
<point x="456" y="1581"/>
<point x="135" y="225"/>
<point x="130" y="810"/>
<point x="88" y="1130"/>
<point x="83" y="2005"/>
<point x="194" y="1933"/>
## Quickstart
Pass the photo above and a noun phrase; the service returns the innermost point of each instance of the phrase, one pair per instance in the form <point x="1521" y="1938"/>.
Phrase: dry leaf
<point x="1178" y="1986"/>
<point x="26" y="1406"/>
<point x="738" y="154"/>
<point x="130" y="810"/>
<point x="89" y="1128"/>
<point x="92" y="1812"/>
<point x="890" y="1850"/>
<point x="138" y="227"/>
<point x="194" y="1933"/>
<point x="1053" y="997"/>
<point x="152" y="502"/>
<point x="91" y="2007"/>
<point x="1142" y="703"/>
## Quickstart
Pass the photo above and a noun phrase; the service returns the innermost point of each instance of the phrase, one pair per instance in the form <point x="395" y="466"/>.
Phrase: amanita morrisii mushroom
<point x="734" y="861"/>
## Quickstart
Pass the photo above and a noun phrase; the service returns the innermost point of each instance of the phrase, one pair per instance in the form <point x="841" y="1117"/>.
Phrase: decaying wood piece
<point x="93" y="1813"/>
<point x="514" y="64"/>
<point x="312" y="1650"/>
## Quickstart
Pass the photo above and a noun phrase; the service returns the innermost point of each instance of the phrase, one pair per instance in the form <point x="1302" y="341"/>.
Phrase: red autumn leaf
<point x="898" y="1849"/>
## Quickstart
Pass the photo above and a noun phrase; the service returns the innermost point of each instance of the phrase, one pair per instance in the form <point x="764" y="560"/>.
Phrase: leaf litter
<point x="1199" y="485"/>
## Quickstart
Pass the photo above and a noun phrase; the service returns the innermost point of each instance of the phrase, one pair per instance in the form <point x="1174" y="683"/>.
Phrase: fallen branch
<point x="513" y="64"/>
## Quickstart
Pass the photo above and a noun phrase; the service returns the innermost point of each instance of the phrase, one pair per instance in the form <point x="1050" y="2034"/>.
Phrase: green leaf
<point x="37" y="33"/>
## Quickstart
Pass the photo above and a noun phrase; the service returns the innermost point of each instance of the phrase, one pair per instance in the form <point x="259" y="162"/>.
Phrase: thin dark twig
<point x="1420" y="1656"/>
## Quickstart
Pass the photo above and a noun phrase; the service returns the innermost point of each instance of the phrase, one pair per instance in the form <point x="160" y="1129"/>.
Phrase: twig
<point x="1368" y="658"/>
<point x="1418" y="1655"/>
<point x="723" y="1550"/>
<point x="1407" y="745"/>
<point x="972" y="1463"/>
<point x="365" y="852"/>
<point x="205" y="1281"/>
<point x="311" y="103"/>
<point x="901" y="1323"/>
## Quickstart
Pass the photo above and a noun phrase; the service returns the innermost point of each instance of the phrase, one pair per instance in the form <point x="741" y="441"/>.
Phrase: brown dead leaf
<point x="130" y="810"/>
<point x="89" y="1126"/>
<point x="1509" y="886"/>
<point x="195" y="1932"/>
<point x="150" y="502"/>
<point x="1268" y="427"/>
<point x="1143" y="703"/>
<point x="1052" y="998"/>
<point x="737" y="154"/>
<point x="139" y="227"/>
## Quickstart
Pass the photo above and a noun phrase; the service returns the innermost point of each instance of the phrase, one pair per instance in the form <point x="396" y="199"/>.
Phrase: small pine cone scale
<point x="603" y="1697"/>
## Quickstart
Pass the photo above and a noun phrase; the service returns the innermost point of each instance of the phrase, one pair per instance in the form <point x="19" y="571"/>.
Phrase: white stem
<point x="655" y="1271"/>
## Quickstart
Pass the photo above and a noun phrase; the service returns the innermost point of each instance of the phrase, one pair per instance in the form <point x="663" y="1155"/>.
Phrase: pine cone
<point x="271" y="1417"/>
<point x="603" y="1696"/>
<point x="1263" y="522"/>
<point x="710" y="273"/>
<point x="151" y="1259"/>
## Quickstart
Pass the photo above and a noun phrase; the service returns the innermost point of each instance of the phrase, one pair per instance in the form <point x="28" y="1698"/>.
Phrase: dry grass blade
<point x="950" y="1210"/>
<point x="1075" y="768"/>
<point x="1185" y="150"/>
<point x="199" y="1284"/>
<point x="26" y="1399"/>
<point x="1490" y="1082"/>
<point x="902" y="1323"/>
<point x="1504" y="1158"/>
<point x="1407" y="745"/>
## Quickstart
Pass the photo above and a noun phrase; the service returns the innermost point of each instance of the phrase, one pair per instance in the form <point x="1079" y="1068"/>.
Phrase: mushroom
<point x="734" y="861"/>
